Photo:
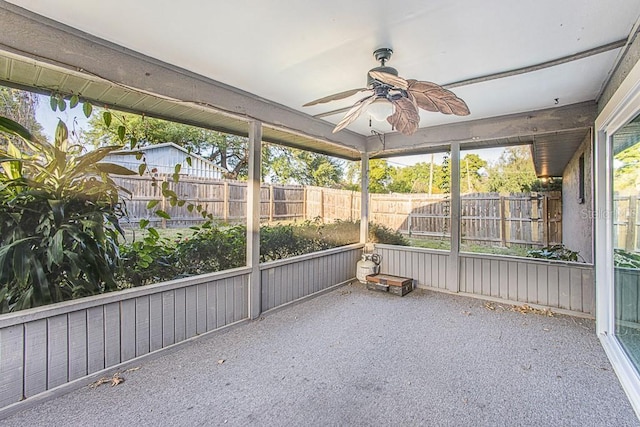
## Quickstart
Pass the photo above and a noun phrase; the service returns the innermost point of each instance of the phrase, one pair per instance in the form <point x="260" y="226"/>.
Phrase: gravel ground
<point x="358" y="357"/>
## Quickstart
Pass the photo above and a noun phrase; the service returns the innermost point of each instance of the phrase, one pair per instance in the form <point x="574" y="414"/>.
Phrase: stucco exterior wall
<point x="577" y="221"/>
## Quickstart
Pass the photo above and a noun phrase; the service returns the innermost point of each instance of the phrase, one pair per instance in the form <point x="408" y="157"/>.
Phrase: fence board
<point x="486" y="218"/>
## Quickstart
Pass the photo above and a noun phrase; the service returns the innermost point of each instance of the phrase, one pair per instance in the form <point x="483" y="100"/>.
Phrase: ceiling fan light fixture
<point x="380" y="109"/>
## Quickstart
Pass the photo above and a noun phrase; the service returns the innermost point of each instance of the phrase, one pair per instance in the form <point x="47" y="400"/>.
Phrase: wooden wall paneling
<point x="57" y="351"/>
<point x="95" y="339"/>
<point x="11" y="368"/>
<point x="127" y="329"/>
<point x="142" y="325"/>
<point x="77" y="333"/>
<point x="168" y="318"/>
<point x="155" y="322"/>
<point x="35" y="357"/>
<point x="112" y="334"/>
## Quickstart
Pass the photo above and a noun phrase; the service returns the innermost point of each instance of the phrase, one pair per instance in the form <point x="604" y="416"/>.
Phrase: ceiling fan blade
<point x="432" y="97"/>
<point x="390" y="79"/>
<point x="354" y="112"/>
<point x="405" y="119"/>
<point x="334" y="97"/>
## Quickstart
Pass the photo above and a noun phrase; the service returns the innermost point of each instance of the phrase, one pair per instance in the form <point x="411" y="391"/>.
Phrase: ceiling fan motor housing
<point x="383" y="69"/>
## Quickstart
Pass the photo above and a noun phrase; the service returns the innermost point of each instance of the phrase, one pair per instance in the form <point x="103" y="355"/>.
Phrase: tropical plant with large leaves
<point x="59" y="219"/>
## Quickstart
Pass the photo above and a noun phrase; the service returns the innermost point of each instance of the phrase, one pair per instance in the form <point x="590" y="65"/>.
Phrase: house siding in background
<point x="162" y="159"/>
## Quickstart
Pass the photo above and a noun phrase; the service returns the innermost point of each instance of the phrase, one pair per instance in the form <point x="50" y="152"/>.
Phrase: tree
<point x="470" y="178"/>
<point x="20" y="106"/>
<point x="379" y="176"/>
<point x="626" y="176"/>
<point x="292" y="166"/>
<point x="513" y="172"/>
<point x="227" y="151"/>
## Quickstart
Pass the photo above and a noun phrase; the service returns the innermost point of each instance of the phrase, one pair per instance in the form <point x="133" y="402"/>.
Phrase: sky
<point x="49" y="118"/>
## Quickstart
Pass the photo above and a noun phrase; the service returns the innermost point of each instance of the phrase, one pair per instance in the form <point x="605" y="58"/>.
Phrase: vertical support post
<point x="253" y="218"/>
<point x="453" y="278"/>
<point x="364" y="198"/>
<point x="225" y="202"/>
<point x="322" y="205"/>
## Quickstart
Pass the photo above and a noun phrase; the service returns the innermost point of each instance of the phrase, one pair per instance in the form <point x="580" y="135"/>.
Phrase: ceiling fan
<point x="384" y="86"/>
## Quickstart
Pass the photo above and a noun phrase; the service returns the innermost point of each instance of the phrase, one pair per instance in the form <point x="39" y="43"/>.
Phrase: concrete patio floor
<point x="356" y="357"/>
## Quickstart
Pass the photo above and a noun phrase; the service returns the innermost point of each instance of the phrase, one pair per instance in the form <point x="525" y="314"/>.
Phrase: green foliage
<point x="555" y="252"/>
<point x="380" y="175"/>
<point x="147" y="261"/>
<point x="383" y="234"/>
<point x="470" y="179"/>
<point x="59" y="219"/>
<point x="20" y="106"/>
<point x="212" y="249"/>
<point x="292" y="166"/>
<point x="624" y="259"/>
<point x="513" y="172"/>
<point x="626" y="175"/>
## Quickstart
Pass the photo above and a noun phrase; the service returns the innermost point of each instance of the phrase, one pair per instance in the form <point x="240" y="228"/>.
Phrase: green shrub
<point x="147" y="261"/>
<point x="211" y="249"/>
<point x="59" y="220"/>
<point x="624" y="259"/>
<point x="383" y="234"/>
<point x="555" y="252"/>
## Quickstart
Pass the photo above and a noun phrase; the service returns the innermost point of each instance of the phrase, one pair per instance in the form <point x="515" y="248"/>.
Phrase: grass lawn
<point x="446" y="245"/>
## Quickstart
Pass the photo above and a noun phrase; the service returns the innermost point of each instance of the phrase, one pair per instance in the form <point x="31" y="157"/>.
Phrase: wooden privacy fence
<point x="625" y="223"/>
<point x="486" y="218"/>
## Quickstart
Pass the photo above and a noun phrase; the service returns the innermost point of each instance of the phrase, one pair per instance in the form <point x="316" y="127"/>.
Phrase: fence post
<point x="545" y="220"/>
<point x="304" y="203"/>
<point x="535" y="218"/>
<point x="630" y="241"/>
<point x="351" y="206"/>
<point x="163" y="204"/>
<point x="271" y="203"/>
<point x="322" y="204"/>
<point x="503" y="222"/>
<point x="225" y="202"/>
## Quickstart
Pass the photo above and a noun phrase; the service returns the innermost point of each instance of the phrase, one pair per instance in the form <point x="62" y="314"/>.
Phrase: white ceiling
<point x="292" y="51"/>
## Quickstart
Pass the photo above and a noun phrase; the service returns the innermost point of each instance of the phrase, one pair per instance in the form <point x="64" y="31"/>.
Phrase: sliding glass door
<point x="625" y="223"/>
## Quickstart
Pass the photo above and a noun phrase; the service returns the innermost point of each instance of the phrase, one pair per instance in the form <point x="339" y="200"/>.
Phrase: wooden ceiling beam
<point x="513" y="126"/>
